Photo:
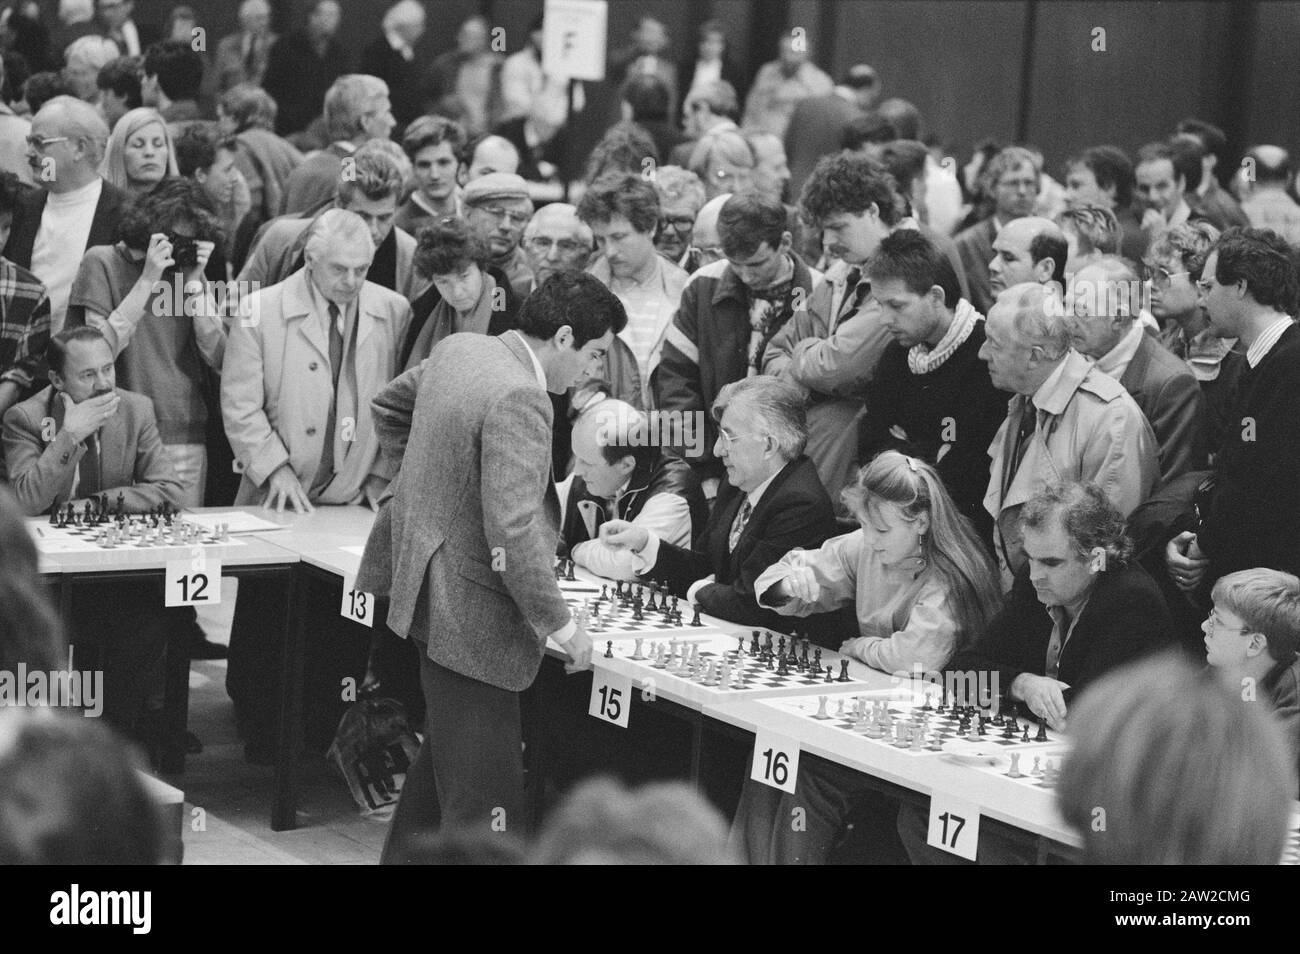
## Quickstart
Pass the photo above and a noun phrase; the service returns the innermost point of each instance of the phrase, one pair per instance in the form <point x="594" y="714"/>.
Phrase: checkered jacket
<point x="24" y="324"/>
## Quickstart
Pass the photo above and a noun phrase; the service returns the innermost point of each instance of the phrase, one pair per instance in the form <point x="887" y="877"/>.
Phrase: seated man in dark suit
<point x="78" y="438"/>
<point x="1101" y="612"/>
<point x="771" y="502"/>
<point x="619" y="473"/>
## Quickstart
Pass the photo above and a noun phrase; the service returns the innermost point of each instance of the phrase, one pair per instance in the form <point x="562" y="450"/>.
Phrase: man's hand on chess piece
<point x="82" y="420"/>
<point x="282" y="488"/>
<point x="1185" y="561"/>
<point x="622" y="535"/>
<point x="1044" y="696"/>
<point x="579" y="649"/>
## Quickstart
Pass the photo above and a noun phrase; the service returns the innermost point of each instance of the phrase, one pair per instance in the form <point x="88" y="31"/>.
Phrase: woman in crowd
<point x="140" y="153"/>
<point x="466" y="294"/>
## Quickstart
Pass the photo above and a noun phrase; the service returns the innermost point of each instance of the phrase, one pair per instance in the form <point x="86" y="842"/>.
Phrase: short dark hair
<point x="848" y="182"/>
<point x="1088" y="517"/>
<point x="1211" y="138"/>
<point x="1261" y="258"/>
<point x="1051" y="245"/>
<point x="648" y="97"/>
<point x="623" y="194"/>
<point x="1110" y="167"/>
<point x="121" y="77"/>
<point x="905" y="159"/>
<point x="12" y="190"/>
<point x="918" y="263"/>
<point x="1155" y="152"/>
<point x="867" y="128"/>
<point x="749" y="219"/>
<point x="625" y="147"/>
<point x="171" y="201"/>
<point x="197" y="145"/>
<point x="447" y="247"/>
<point x="177" y="66"/>
<point x="56" y="349"/>
<point x="429" y="131"/>
<point x="576" y="299"/>
<point x="903" y="116"/>
<point x="1187" y="154"/>
<point x="42" y="87"/>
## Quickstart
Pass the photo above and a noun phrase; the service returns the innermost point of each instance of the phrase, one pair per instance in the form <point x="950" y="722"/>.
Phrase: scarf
<point x="922" y="360"/>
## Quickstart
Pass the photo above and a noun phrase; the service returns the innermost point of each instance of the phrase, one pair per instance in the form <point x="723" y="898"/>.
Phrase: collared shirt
<point x="1116" y="361"/>
<point x="1264" y="343"/>
<point x="1061" y="633"/>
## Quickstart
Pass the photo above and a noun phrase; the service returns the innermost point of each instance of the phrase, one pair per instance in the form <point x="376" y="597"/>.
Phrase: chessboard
<point x="924" y="724"/>
<point x="715" y="665"/>
<point x="622" y="608"/>
<point x="134" y="532"/>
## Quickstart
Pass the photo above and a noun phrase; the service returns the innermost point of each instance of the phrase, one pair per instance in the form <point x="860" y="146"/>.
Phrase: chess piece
<point x="753" y="645"/>
<point x="121" y="504"/>
<point x="636" y="654"/>
<point x="1025" y="737"/>
<point x="829" y="676"/>
<point x="1042" y="732"/>
<point x="636" y="612"/>
<point x="695" y="620"/>
<point x="821" y="707"/>
<point x="651" y="605"/>
<point x="1036" y="772"/>
<point x="609" y="649"/>
<point x="568" y="573"/>
<point x="844" y="671"/>
<point x="1015" y="766"/>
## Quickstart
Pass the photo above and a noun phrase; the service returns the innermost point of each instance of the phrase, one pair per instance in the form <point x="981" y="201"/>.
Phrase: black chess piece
<point x="636" y="611"/>
<point x="783" y="669"/>
<point x="559" y="568"/>
<point x="609" y="649"/>
<point x="844" y="671"/>
<point x="54" y="513"/>
<point x="803" y="655"/>
<point x="1042" y="732"/>
<point x="695" y="619"/>
<point x="1025" y="736"/>
<point x="753" y="645"/>
<point x="604" y="592"/>
<point x="817" y="658"/>
<point x="121" y="504"/>
<point x="674" y="604"/>
<point x="767" y="644"/>
<point x="651" y="605"/>
<point x="829" y="676"/>
<point x="568" y="573"/>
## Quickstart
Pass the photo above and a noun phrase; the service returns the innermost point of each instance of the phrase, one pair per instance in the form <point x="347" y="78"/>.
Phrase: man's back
<point x="472" y="546"/>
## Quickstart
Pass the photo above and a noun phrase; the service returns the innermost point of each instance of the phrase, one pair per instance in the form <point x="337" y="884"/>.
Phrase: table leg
<point x="290" y="733"/>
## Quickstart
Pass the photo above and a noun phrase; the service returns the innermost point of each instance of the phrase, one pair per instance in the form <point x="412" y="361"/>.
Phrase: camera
<point x="185" y="251"/>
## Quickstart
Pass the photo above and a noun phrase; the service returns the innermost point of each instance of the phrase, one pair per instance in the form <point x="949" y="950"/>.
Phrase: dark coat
<point x="296" y="78"/>
<point x="1125" y="617"/>
<point x="1171" y="398"/>
<point x="793" y="512"/>
<point x="955" y="406"/>
<point x="1252" y="517"/>
<point x="27" y="222"/>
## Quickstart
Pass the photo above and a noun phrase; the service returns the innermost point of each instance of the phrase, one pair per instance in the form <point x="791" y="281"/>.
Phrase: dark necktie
<point x="1028" y="424"/>
<point x="738" y="527"/>
<point x="854" y="293"/>
<point x="88" y="470"/>
<point x="250" y="60"/>
<point x="325" y="472"/>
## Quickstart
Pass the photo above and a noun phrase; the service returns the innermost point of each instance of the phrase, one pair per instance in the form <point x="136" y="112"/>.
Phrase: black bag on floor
<point x="373" y="748"/>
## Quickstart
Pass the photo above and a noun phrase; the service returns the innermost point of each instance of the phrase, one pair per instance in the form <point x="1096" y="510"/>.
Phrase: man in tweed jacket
<point x="466" y="546"/>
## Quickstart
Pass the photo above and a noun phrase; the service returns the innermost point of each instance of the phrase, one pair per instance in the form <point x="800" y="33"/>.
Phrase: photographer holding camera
<point x="147" y="295"/>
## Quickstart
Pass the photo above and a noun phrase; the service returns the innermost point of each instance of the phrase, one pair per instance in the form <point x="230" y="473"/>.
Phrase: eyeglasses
<point x="680" y="223"/>
<point x="41" y="142"/>
<point x="730" y="439"/>
<point x="1217" y="624"/>
<point x="1162" y="277"/>
<point x="502" y="215"/>
<point x="542" y="245"/>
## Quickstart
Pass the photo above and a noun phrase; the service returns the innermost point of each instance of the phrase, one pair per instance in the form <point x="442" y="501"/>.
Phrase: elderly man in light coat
<point x="302" y="368"/>
<point x="1068" y="421"/>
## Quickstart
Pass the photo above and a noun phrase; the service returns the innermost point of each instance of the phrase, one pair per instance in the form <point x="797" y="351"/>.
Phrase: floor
<point x="227" y="817"/>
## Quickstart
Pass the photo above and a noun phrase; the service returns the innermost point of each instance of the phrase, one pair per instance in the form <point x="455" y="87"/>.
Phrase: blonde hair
<point x="952" y="549"/>
<point x="1170" y="766"/>
<point x="113" y="167"/>
<point x="1268" y="601"/>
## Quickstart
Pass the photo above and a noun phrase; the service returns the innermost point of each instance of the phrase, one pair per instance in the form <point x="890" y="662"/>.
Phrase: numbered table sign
<point x="192" y="582"/>
<point x="954" y="825"/>
<point x="776" y="760"/>
<point x="357" y="606"/>
<point x="611" y="697"/>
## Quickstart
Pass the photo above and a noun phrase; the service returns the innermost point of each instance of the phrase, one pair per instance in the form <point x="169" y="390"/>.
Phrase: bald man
<point x="556" y="240"/>
<point x="620" y="474"/>
<point x="706" y="243"/>
<point x="74" y="208"/>
<point x="489" y="154"/>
